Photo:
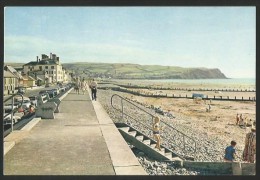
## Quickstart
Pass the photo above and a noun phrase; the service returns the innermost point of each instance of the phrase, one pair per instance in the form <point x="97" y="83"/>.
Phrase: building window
<point x="46" y="67"/>
<point x="40" y="67"/>
<point x="52" y="67"/>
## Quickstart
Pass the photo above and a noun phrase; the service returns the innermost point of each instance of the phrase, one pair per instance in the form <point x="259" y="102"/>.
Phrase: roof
<point x="18" y="68"/>
<point x="11" y="68"/>
<point x="13" y="71"/>
<point x="42" y="62"/>
<point x="8" y="74"/>
<point x="39" y="79"/>
<point x="25" y="77"/>
<point x="31" y="78"/>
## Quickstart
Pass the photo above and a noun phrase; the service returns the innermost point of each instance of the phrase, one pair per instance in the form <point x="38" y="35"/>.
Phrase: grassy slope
<point x="143" y="71"/>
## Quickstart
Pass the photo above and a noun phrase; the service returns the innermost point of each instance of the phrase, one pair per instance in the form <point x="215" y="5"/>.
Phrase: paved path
<point x="76" y="142"/>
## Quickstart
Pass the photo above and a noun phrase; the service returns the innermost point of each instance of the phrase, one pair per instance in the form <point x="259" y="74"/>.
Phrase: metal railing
<point x="181" y="143"/>
<point x="13" y="109"/>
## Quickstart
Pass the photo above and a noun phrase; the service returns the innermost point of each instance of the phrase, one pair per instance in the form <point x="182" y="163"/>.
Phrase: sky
<point x="211" y="37"/>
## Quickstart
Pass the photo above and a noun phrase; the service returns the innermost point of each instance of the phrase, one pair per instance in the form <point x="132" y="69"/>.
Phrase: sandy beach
<point x="219" y="123"/>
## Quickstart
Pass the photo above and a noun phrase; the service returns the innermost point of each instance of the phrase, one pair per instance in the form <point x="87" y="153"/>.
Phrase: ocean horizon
<point x="230" y="81"/>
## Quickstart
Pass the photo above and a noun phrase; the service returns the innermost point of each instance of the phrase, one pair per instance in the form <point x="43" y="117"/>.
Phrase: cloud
<point x="25" y="49"/>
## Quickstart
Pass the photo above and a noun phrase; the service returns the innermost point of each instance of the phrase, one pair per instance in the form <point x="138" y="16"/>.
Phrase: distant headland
<point x="136" y="71"/>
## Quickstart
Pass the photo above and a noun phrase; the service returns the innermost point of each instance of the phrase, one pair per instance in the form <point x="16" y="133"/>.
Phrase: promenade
<point x="81" y="140"/>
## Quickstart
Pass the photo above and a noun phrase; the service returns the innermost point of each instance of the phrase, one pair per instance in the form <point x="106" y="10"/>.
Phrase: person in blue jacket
<point x="230" y="152"/>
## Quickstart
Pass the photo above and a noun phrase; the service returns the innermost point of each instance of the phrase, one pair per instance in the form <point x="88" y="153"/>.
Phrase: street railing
<point x="12" y="108"/>
<point x="134" y="115"/>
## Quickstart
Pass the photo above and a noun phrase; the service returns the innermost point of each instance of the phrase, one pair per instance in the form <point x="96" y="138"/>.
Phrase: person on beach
<point x="241" y="122"/>
<point x="156" y="132"/>
<point x="208" y="108"/>
<point x="230" y="152"/>
<point x="249" y="153"/>
<point x="237" y="119"/>
<point x="93" y="87"/>
<point x="241" y="117"/>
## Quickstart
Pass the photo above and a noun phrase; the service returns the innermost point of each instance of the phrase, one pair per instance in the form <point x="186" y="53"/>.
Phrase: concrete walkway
<point x="81" y="140"/>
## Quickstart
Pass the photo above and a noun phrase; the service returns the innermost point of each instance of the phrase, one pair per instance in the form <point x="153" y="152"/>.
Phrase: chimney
<point x="53" y="56"/>
<point x="50" y="55"/>
<point x="37" y="58"/>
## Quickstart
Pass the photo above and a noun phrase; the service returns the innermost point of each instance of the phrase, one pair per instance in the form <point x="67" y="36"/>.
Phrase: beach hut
<point x="195" y="95"/>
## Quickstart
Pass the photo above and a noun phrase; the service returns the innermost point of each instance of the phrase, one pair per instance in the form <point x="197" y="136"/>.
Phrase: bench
<point x="57" y="101"/>
<point x="45" y="108"/>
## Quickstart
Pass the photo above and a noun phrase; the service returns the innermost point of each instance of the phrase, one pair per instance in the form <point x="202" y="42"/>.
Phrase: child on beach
<point x="230" y="152"/>
<point x="156" y="132"/>
<point x="237" y="119"/>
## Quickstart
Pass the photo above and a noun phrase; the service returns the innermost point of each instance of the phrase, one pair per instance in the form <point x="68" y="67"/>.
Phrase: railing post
<point x="122" y="109"/>
<point x="195" y="147"/>
<point x="183" y="142"/>
<point x="12" y="123"/>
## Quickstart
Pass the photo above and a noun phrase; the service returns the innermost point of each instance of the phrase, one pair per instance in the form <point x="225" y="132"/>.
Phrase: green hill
<point x="135" y="71"/>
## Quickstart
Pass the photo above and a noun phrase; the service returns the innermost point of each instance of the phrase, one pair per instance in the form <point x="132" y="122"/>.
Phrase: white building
<point x="50" y="65"/>
<point x="9" y="82"/>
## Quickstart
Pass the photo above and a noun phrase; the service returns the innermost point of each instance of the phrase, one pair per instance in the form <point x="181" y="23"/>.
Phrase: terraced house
<point x="46" y="65"/>
<point x="18" y="77"/>
<point x="9" y="82"/>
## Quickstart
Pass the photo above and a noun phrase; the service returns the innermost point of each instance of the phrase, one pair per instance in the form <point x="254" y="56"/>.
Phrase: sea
<point x="242" y="81"/>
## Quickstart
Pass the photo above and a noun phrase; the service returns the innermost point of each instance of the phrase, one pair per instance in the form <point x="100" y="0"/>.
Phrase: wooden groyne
<point x="138" y="93"/>
<point x="184" y="89"/>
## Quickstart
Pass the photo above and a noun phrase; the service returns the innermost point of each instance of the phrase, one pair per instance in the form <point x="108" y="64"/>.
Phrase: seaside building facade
<point x="50" y="67"/>
<point x="18" y="76"/>
<point x="9" y="82"/>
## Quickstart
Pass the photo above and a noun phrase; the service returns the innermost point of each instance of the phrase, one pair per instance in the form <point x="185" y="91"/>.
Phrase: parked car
<point x="33" y="100"/>
<point x="49" y="92"/>
<point x="21" y="90"/>
<point x="59" y="84"/>
<point x="19" y="99"/>
<point x="56" y="91"/>
<point x="7" y="119"/>
<point x="62" y="89"/>
<point x="43" y="91"/>
<point x="8" y="108"/>
<point x="25" y="104"/>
